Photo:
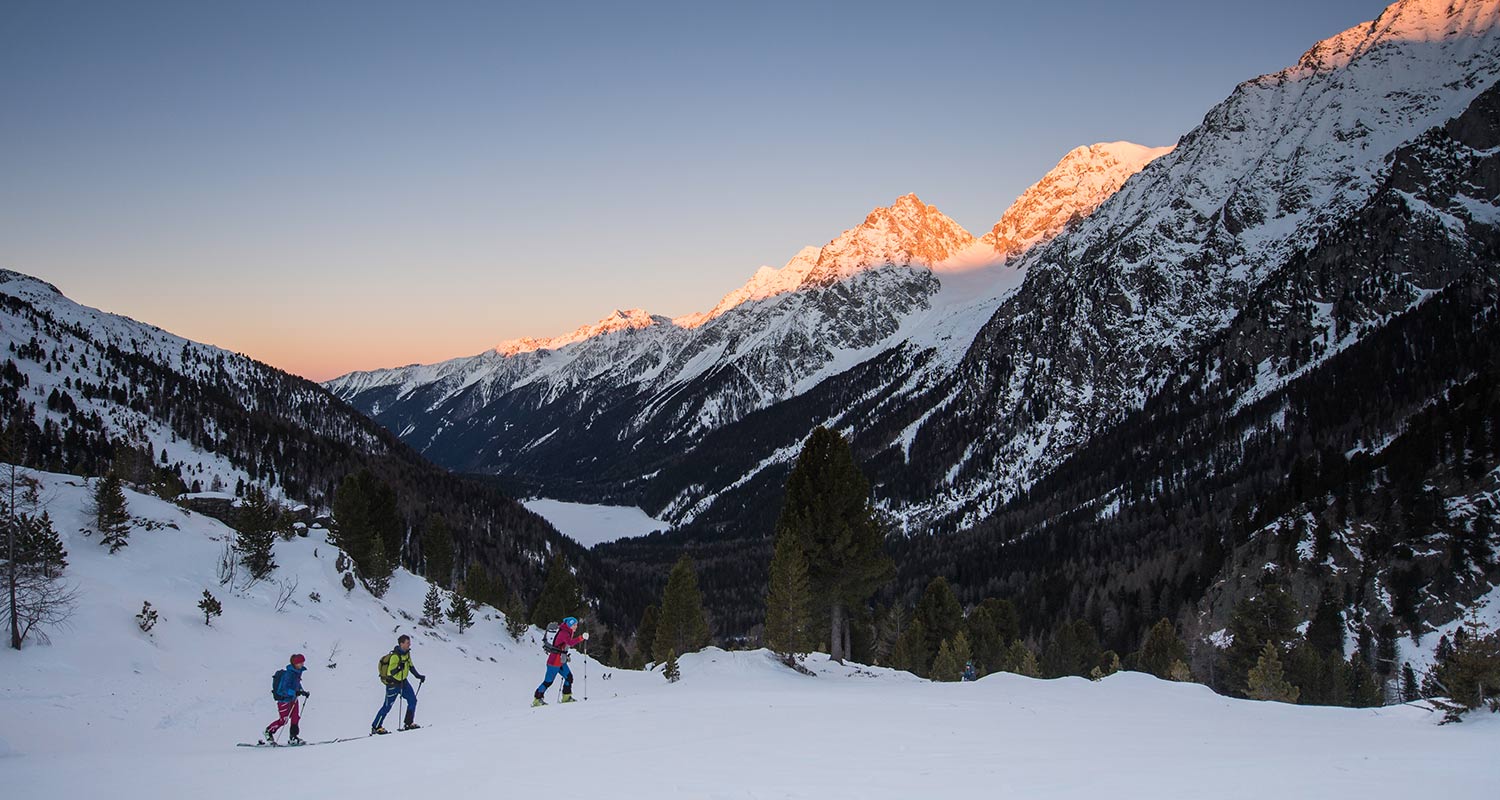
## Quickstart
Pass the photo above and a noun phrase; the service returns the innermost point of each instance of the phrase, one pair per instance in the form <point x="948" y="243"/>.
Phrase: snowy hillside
<point x="107" y="710"/>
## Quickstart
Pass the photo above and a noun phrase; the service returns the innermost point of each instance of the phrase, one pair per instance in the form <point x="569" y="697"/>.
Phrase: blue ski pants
<point x="402" y="689"/>
<point x="552" y="673"/>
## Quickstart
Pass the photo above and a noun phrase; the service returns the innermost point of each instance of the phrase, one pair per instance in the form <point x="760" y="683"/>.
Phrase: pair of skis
<point x="272" y="745"/>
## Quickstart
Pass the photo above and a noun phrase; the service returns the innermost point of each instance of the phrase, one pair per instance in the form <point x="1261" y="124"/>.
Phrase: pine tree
<point x="1269" y="617"/>
<point x="788" y="618"/>
<point x="941" y="615"/>
<point x="1265" y="680"/>
<point x="378" y="570"/>
<point x="459" y="611"/>
<point x="1364" y="687"/>
<point x="1180" y="672"/>
<point x="671" y="671"/>
<point x="38" y="547"/>
<point x="437" y="550"/>
<point x="210" y="607"/>
<point x="681" y="627"/>
<point x="1470" y="676"/>
<point x="365" y="510"/>
<point x="111" y="515"/>
<point x="255" y="523"/>
<point x="645" y="637"/>
<point x="560" y="596"/>
<point x="1409" y="690"/>
<point x="432" y="606"/>
<point x="1161" y="649"/>
<point x="1022" y="660"/>
<point x="911" y="649"/>
<point x="828" y="509"/>
<point x="1326" y="630"/>
<point x="945" y="665"/>
<point x="481" y="588"/>
<point x="515" y="617"/>
<point x="963" y="653"/>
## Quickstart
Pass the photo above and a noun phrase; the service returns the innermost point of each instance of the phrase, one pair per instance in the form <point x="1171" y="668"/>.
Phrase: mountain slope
<point x="87" y="392"/>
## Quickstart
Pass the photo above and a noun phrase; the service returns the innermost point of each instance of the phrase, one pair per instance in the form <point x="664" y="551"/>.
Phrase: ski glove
<point x="585" y="637"/>
<point x="305" y="694"/>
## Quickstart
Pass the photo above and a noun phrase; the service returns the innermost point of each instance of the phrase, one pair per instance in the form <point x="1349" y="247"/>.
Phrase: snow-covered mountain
<point x="1085" y="178"/>
<point x="86" y="391"/>
<point x="906" y="273"/>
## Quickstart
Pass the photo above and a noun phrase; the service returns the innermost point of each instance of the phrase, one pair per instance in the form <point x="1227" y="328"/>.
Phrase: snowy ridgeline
<point x="107" y="710"/>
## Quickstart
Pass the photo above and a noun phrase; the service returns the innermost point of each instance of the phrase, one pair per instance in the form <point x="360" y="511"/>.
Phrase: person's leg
<point x="567" y="674"/>
<point x="296" y="715"/>
<point x="411" y="702"/>
<point x="541" y="689"/>
<point x="282" y="712"/>
<point x="391" y="693"/>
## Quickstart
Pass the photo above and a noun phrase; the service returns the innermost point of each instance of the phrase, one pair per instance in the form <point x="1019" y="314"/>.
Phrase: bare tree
<point x="286" y="588"/>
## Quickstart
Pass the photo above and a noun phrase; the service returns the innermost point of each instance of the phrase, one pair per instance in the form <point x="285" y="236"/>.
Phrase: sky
<point x="334" y="186"/>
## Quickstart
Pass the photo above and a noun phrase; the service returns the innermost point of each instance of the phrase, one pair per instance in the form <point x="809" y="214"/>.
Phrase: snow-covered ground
<point x="107" y="711"/>
<point x="589" y="525"/>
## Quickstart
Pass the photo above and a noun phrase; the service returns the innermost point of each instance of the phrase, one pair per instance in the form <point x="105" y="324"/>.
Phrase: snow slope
<point x="106" y="711"/>
<point x="589" y="525"/>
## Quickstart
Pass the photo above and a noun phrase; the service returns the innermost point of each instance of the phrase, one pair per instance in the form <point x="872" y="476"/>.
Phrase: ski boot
<point x="537" y="701"/>
<point x="296" y="741"/>
<point x="378" y="730"/>
<point x="567" y="698"/>
<point x="410" y="726"/>
<point x="268" y="737"/>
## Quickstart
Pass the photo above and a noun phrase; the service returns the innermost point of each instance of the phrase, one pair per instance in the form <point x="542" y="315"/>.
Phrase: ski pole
<point x="585" y="669"/>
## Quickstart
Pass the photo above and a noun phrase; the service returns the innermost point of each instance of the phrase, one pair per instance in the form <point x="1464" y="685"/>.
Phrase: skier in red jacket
<point x="557" y="661"/>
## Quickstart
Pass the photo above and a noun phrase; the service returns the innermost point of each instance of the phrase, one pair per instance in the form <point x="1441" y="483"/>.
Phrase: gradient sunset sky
<point x="337" y="186"/>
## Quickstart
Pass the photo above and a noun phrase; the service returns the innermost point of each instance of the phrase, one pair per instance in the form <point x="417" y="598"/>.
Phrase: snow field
<point x="108" y="711"/>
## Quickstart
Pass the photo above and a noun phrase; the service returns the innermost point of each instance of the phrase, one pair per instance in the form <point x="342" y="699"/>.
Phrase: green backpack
<point x="385" y="667"/>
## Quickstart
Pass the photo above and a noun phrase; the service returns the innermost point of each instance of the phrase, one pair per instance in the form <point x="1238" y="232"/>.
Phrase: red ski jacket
<point x="565" y="638"/>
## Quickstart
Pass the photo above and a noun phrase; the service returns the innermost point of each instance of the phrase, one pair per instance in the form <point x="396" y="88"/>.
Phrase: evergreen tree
<point x="210" y="607"/>
<point x="1007" y="620"/>
<point x="378" y="569"/>
<point x="515" y="617"/>
<point x="1364" y="687"/>
<point x="1269" y="617"/>
<point x="963" y="652"/>
<point x="893" y="623"/>
<point x="828" y="510"/>
<point x="1320" y="677"/>
<point x="788" y="617"/>
<point x="1021" y="660"/>
<point x="1470" y="676"/>
<point x="1180" y="672"/>
<point x="477" y="586"/>
<point x="941" y="615"/>
<point x="1161" y="649"/>
<point x="364" y="508"/>
<point x="681" y="627"/>
<point x="985" y="634"/>
<point x="1326" y="631"/>
<point x="432" y="606"/>
<point x="110" y="513"/>
<point x="911" y="648"/>
<point x="945" y="665"/>
<point x="671" y="671"/>
<point x="645" y="637"/>
<point x="1265" y="680"/>
<point x="1072" y="650"/>
<point x="38" y="547"/>
<point x="437" y="550"/>
<point x="255" y="521"/>
<point x="1409" y="690"/>
<point x="560" y="595"/>
<point x="460" y="613"/>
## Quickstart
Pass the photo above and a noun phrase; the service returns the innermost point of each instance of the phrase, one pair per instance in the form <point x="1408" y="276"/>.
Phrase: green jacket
<point x="398" y="666"/>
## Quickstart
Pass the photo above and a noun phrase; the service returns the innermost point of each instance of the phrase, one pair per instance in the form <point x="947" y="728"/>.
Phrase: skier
<point x="969" y="673"/>
<point x="394" y="667"/>
<point x="557" y="661"/>
<point x="288" y="689"/>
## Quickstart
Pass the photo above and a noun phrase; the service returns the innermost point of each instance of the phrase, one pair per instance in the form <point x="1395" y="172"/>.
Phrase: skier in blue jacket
<point x="288" y="689"/>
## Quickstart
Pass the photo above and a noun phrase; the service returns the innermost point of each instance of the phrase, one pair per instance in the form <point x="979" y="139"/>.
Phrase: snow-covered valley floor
<point x="107" y="711"/>
<point x="589" y="524"/>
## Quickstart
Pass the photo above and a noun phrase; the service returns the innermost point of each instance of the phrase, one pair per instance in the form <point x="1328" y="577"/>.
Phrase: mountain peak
<point x="906" y="233"/>
<point x="1084" y="178"/>
<point x="613" y="322"/>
